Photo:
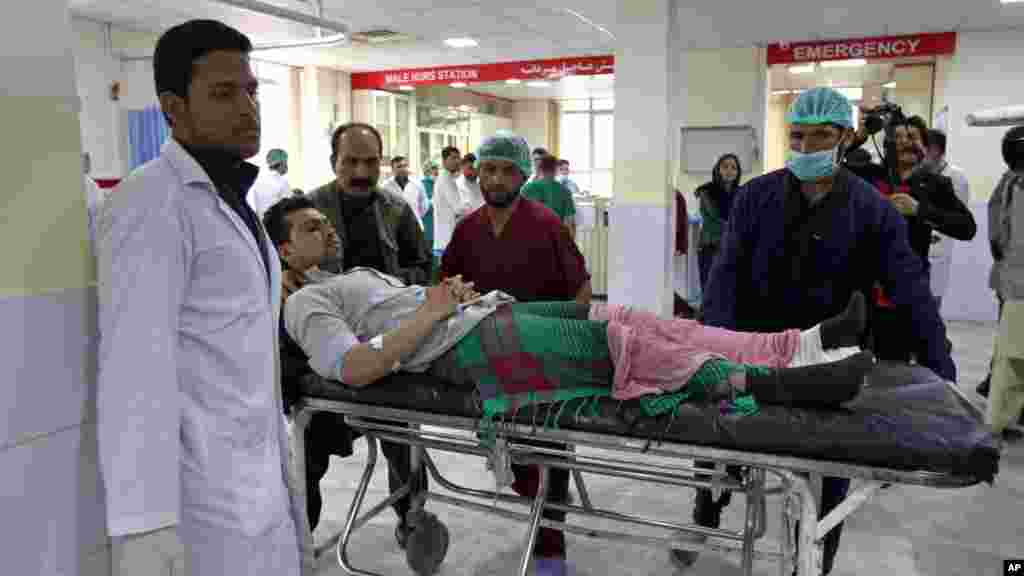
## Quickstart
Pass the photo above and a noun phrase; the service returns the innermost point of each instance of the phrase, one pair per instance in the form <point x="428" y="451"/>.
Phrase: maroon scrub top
<point x="533" y="260"/>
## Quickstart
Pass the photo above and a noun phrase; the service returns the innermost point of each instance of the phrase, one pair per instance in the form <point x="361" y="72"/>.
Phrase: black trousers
<point x="327" y="434"/>
<point x="892" y="335"/>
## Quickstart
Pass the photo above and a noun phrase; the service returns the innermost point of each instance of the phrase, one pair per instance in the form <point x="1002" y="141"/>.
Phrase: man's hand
<point x="463" y="291"/>
<point x="905" y="204"/>
<point x="441" y="301"/>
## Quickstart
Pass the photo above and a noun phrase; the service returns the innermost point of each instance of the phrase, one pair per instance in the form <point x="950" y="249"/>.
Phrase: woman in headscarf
<point x="715" y="202"/>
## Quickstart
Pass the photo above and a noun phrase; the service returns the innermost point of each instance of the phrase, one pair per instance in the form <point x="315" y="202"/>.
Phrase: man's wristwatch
<point x="377" y="342"/>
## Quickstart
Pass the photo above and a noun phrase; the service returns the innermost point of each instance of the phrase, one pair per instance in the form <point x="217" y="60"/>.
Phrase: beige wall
<point x="723" y="88"/>
<point x="532" y="120"/>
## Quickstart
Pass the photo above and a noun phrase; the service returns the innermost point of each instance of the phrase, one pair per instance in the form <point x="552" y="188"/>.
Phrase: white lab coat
<point x="191" y="429"/>
<point x="414" y="193"/>
<point x="449" y="208"/>
<point x="270" y="188"/>
<point x="471" y="194"/>
<point x="941" y="254"/>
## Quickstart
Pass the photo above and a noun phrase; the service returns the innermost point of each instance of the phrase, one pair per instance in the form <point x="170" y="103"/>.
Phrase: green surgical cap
<point x="276" y="156"/>
<point x="505" y="145"/>
<point x="821" y="106"/>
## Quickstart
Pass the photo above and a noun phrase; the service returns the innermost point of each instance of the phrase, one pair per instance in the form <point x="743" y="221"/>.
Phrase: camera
<point x="882" y="117"/>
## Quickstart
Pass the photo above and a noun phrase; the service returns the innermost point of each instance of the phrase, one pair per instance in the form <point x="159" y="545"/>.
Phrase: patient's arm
<point x="313" y="318"/>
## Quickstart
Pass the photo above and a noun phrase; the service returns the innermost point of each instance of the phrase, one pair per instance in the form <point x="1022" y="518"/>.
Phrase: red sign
<point x="866" y="48"/>
<point x="476" y="73"/>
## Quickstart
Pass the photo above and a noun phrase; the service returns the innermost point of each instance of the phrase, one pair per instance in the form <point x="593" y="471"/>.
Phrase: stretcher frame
<point x="798" y="481"/>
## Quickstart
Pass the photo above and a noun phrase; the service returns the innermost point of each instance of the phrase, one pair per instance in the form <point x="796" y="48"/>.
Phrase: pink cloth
<point x="654" y="355"/>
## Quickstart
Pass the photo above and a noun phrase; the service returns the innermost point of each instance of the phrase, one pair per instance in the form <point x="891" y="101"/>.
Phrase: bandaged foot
<point x="847" y="328"/>
<point x="816" y="386"/>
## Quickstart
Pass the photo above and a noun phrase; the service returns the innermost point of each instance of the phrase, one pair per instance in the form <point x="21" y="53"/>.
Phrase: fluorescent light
<point x="802" y="69"/>
<point x="458" y="84"/>
<point x="855" y="63"/>
<point x="893" y="84"/>
<point x="461" y="42"/>
<point x="406" y="88"/>
<point x="513" y="81"/>
<point x="1011" y="1"/>
<point x="538" y="84"/>
<point x="854" y="93"/>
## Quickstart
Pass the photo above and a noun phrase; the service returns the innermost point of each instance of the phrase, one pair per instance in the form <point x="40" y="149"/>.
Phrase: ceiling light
<point x="458" y="84"/>
<point x="1011" y="1"/>
<point x="538" y="84"/>
<point x="889" y="85"/>
<point x="855" y="63"/>
<point x="466" y="108"/>
<point x="854" y="93"/>
<point x="461" y="42"/>
<point x="513" y="81"/>
<point x="406" y="88"/>
<point x="802" y="69"/>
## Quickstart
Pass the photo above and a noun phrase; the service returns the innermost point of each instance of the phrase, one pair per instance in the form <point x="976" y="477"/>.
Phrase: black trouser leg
<point x="893" y="340"/>
<point x="399" y="458"/>
<point x="318" y="458"/>
<point x="833" y="491"/>
<point x="706" y="510"/>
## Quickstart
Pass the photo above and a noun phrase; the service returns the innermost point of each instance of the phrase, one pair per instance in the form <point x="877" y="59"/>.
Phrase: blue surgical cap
<point x="821" y="106"/>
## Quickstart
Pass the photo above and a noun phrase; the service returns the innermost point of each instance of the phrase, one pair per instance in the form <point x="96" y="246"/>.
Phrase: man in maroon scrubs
<point x="520" y="247"/>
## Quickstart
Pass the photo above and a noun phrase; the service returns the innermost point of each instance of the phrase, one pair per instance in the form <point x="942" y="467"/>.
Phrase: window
<point x="275" y="109"/>
<point x="439" y="127"/>
<point x="392" y="118"/>
<point x="587" y="141"/>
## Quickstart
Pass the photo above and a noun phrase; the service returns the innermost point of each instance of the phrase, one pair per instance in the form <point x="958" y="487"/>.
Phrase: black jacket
<point x="939" y="209"/>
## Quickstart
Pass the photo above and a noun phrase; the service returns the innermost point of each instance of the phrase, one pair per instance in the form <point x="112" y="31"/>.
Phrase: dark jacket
<point x="784" y="265"/>
<point x="406" y="253"/>
<point x="939" y="209"/>
<point x="716" y="204"/>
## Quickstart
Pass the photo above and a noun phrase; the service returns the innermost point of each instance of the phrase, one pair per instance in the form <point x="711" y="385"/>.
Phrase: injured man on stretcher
<point x="362" y="325"/>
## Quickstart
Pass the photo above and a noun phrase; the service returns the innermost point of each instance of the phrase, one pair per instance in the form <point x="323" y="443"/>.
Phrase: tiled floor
<point x="902" y="532"/>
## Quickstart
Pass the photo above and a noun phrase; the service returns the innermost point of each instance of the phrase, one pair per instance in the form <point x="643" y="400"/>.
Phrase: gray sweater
<point x="329" y="317"/>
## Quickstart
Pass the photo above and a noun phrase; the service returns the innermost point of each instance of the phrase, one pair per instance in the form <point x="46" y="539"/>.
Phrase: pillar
<point x="648" y="94"/>
<point x="51" y="511"/>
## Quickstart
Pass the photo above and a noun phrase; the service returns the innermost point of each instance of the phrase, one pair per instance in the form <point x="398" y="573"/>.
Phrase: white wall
<point x="984" y="73"/>
<point x="320" y="99"/>
<point x="95" y="72"/>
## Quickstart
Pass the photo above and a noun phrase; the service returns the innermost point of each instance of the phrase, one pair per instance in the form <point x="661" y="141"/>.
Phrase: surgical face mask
<point x="814" y="166"/>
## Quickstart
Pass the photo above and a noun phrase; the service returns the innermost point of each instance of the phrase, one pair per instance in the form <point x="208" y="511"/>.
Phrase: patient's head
<point x="303" y="236"/>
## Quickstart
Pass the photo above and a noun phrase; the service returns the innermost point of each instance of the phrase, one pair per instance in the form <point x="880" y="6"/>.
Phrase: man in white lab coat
<point x="449" y="206"/>
<point x="192" y="439"/>
<point x="272" y="185"/>
<point x="410" y="189"/>
<point x="469" y="185"/>
<point x="941" y="255"/>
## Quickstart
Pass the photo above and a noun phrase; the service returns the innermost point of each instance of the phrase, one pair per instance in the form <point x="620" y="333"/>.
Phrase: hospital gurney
<point x="907" y="427"/>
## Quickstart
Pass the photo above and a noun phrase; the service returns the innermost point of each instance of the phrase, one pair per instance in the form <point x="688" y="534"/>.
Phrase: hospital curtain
<point x="147" y="131"/>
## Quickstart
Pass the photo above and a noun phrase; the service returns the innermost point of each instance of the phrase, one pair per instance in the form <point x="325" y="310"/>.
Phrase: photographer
<point x="927" y="202"/>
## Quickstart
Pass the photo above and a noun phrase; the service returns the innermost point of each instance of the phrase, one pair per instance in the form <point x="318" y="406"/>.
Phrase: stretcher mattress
<point x="906" y="418"/>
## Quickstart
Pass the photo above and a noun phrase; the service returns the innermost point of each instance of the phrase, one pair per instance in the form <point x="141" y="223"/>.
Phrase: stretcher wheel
<point x="427" y="543"/>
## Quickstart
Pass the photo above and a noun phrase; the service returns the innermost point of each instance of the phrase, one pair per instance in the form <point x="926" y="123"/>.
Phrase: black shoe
<point x="983" y="388"/>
